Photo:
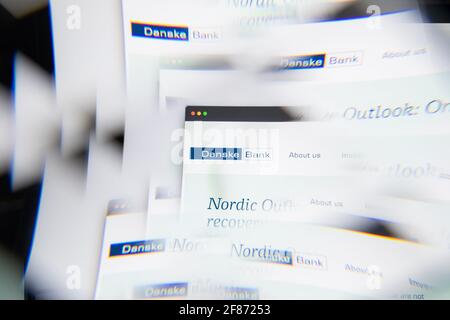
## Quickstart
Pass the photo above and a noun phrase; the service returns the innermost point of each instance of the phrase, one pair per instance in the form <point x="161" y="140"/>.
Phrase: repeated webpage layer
<point x="280" y="261"/>
<point x="274" y="217"/>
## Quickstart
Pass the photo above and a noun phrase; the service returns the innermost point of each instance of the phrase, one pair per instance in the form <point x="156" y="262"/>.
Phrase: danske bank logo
<point x="137" y="247"/>
<point x="311" y="61"/>
<point x="204" y="153"/>
<point x="322" y="60"/>
<point x="163" y="32"/>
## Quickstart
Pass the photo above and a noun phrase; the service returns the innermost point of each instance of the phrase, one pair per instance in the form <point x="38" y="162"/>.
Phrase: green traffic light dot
<point x="205" y="113"/>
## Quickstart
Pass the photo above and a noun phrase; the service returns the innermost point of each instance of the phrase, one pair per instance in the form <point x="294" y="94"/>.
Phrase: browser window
<point x="248" y="161"/>
<point x="247" y="168"/>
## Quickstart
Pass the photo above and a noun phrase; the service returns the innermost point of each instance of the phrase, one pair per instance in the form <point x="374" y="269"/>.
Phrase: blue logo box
<point x="162" y="32"/>
<point x="177" y="289"/>
<point x="216" y="153"/>
<point x="312" y="61"/>
<point x="137" y="247"/>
